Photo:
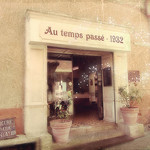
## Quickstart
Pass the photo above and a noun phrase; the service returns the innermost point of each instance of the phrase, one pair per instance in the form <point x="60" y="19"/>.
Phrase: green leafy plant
<point x="62" y="108"/>
<point x="130" y="97"/>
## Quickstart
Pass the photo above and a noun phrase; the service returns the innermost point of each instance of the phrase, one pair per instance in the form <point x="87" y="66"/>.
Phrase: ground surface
<point x="142" y="143"/>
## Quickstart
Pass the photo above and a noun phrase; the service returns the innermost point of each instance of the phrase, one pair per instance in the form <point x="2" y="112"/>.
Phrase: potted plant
<point x="130" y="98"/>
<point x="62" y="124"/>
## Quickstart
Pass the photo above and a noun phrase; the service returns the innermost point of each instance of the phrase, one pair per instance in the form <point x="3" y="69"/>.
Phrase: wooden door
<point x="99" y="92"/>
<point x="108" y="88"/>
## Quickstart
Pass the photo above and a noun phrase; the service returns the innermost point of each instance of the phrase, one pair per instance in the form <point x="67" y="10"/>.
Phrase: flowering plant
<point x="130" y="97"/>
<point x="62" y="107"/>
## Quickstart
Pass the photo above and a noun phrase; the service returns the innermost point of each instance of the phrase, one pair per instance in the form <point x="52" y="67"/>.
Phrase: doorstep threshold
<point x="100" y="145"/>
<point x="88" y="129"/>
<point x="97" y="139"/>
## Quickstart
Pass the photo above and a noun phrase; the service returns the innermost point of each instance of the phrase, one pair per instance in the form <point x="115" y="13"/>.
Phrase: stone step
<point x="88" y="129"/>
<point x="99" y="145"/>
<point x="85" y="139"/>
<point x="96" y="136"/>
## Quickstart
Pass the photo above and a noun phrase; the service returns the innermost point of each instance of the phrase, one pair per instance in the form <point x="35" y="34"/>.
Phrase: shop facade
<point x="49" y="30"/>
<point x="119" y="39"/>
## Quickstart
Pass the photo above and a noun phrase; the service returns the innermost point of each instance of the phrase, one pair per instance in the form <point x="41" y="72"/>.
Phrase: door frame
<point x="35" y="80"/>
<point x="101" y="54"/>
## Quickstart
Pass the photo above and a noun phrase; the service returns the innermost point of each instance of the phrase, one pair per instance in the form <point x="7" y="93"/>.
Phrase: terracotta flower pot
<point x="60" y="130"/>
<point x="130" y="115"/>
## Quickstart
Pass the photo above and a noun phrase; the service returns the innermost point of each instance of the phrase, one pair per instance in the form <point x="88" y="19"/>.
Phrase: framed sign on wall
<point x="107" y="76"/>
<point x="7" y="128"/>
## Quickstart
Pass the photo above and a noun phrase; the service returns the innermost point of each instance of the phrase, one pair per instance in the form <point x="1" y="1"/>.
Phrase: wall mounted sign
<point x="58" y="30"/>
<point x="134" y="76"/>
<point x="84" y="35"/>
<point x="107" y="76"/>
<point x="7" y="128"/>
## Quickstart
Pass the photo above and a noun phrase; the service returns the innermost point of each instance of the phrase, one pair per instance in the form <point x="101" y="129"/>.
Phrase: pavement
<point x="100" y="141"/>
<point x="142" y="143"/>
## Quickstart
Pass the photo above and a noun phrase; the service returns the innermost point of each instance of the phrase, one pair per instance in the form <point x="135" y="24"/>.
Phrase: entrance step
<point x="88" y="129"/>
<point x="96" y="145"/>
<point x="93" y="140"/>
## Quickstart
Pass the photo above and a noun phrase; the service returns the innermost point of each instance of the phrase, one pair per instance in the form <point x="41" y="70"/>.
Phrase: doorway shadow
<point x="86" y="113"/>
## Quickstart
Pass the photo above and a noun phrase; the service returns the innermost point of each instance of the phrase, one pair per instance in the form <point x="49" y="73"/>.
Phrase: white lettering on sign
<point x="7" y="128"/>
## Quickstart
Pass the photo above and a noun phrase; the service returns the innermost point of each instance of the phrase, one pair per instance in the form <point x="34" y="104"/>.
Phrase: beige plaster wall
<point x="12" y="38"/>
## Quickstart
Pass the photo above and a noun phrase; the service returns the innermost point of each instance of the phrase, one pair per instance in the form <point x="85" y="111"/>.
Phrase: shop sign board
<point x="7" y="128"/>
<point x="84" y="35"/>
<point x="61" y="31"/>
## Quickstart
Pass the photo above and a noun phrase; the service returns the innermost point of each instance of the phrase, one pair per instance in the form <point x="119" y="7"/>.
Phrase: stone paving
<point x="86" y="140"/>
<point x="97" y="143"/>
<point x="142" y="143"/>
<point x="90" y="133"/>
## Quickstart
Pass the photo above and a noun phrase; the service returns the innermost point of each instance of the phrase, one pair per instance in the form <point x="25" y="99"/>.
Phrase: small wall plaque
<point x="134" y="76"/>
<point x="107" y="76"/>
<point x="7" y="128"/>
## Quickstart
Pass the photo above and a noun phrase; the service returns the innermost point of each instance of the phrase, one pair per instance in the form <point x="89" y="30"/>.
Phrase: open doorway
<point x="82" y="76"/>
<point x="60" y="86"/>
<point x="87" y="87"/>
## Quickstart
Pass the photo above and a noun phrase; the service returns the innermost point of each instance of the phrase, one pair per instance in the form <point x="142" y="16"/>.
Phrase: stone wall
<point x="12" y="38"/>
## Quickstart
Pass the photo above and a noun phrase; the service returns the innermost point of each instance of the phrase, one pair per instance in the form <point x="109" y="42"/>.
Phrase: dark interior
<point x="82" y="66"/>
<point x="85" y="112"/>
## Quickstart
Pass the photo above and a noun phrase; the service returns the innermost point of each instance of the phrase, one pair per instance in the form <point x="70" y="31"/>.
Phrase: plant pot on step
<point x="130" y="98"/>
<point x="130" y="115"/>
<point x="61" y="130"/>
